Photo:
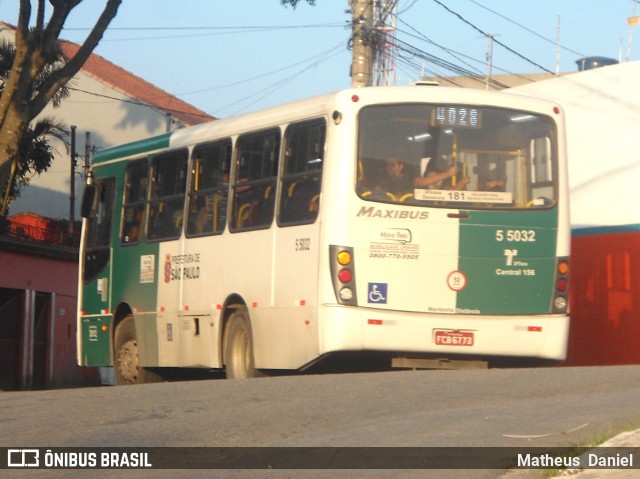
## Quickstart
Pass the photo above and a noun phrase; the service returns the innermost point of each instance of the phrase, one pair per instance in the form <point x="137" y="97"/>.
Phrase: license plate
<point x="453" y="338"/>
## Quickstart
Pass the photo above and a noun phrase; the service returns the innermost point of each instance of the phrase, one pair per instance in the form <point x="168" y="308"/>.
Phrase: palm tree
<point x="35" y="152"/>
<point x="36" y="156"/>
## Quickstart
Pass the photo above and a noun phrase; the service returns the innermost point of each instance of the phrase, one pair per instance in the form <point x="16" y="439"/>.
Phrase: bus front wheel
<point x="127" y="365"/>
<point x="238" y="348"/>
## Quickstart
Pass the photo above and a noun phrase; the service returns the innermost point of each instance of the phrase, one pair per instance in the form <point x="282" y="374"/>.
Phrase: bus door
<point x="95" y="301"/>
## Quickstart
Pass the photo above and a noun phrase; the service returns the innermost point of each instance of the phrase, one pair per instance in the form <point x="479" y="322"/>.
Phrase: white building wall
<point x="602" y="108"/>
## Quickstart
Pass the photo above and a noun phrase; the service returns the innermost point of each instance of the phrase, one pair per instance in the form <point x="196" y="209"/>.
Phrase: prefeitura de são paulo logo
<point x="167" y="269"/>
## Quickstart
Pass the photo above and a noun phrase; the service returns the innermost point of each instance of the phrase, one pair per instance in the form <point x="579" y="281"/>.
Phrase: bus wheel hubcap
<point x="128" y="360"/>
<point x="241" y="353"/>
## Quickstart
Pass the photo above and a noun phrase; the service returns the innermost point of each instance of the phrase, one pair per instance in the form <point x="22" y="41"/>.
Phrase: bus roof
<point x="306" y="108"/>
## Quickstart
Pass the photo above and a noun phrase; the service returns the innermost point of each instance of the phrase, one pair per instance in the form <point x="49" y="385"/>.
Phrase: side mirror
<point x="88" y="198"/>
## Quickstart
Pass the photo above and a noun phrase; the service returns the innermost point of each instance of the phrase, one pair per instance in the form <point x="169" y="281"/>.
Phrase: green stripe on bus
<point x="134" y="148"/>
<point x="508" y="259"/>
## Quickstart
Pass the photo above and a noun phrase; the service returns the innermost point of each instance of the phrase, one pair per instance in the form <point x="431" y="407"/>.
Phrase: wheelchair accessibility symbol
<point x="377" y="293"/>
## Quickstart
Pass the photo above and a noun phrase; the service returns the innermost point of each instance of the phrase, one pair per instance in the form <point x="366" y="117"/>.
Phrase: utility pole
<point x="361" y="32"/>
<point x="631" y="21"/>
<point x="385" y="14"/>
<point x="87" y="153"/>
<point x="72" y="187"/>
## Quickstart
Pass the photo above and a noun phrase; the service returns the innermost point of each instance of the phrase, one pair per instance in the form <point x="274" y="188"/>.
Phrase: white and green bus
<point x="423" y="224"/>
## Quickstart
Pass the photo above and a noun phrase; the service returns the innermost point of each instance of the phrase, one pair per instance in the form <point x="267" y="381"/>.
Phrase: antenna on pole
<point x="489" y="59"/>
<point x="558" y="46"/>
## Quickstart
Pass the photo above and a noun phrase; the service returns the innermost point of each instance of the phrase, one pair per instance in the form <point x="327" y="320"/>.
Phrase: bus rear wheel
<point x="238" y="348"/>
<point x="127" y="359"/>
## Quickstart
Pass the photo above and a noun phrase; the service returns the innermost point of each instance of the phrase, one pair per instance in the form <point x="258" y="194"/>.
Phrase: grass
<point x="592" y="442"/>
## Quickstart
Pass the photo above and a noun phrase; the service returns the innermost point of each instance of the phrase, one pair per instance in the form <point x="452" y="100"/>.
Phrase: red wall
<point x="39" y="273"/>
<point x="605" y="299"/>
<point x="51" y="355"/>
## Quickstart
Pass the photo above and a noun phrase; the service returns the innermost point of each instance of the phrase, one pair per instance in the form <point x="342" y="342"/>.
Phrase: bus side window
<point x="207" y="210"/>
<point x="302" y="176"/>
<point x="99" y="227"/>
<point x="542" y="174"/>
<point x="256" y="159"/>
<point x="166" y="203"/>
<point x="134" y="201"/>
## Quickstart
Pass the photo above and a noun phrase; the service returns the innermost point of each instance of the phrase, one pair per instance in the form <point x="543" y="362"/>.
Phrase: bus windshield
<point x="457" y="156"/>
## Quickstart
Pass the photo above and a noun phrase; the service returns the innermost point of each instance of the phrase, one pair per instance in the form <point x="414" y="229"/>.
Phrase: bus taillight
<point x="563" y="267"/>
<point x="562" y="286"/>
<point x="344" y="258"/>
<point x="343" y="274"/>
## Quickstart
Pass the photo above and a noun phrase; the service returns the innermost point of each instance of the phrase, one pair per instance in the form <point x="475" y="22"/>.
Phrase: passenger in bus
<point x="493" y="180"/>
<point x="397" y="181"/>
<point x="165" y="219"/>
<point x="132" y="234"/>
<point x="132" y="228"/>
<point x="437" y="175"/>
<point x="204" y="217"/>
<point x="301" y="200"/>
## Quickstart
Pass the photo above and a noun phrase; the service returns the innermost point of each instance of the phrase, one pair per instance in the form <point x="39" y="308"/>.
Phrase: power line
<point x="317" y="59"/>
<point x="406" y="48"/>
<point x="138" y="103"/>
<point x="461" y="71"/>
<point x="407" y="8"/>
<point x="240" y="28"/>
<point x="262" y="75"/>
<point x="210" y="31"/>
<point x="421" y="36"/>
<point x="460" y="57"/>
<point x="280" y="83"/>
<point x="495" y="41"/>
<point x="526" y="28"/>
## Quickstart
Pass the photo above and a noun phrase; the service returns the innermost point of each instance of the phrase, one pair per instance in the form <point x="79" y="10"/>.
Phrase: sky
<point x="236" y="56"/>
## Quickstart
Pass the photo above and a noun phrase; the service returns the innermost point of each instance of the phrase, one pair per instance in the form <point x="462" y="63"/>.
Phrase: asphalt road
<point x="497" y="407"/>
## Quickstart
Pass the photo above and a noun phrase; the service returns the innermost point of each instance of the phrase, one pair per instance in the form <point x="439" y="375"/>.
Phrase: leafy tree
<point x="294" y="3"/>
<point x="37" y="75"/>
<point x="35" y="156"/>
<point x="35" y="153"/>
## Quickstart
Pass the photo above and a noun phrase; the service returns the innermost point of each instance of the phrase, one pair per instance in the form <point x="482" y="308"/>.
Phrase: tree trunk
<point x="7" y="190"/>
<point x="12" y="130"/>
